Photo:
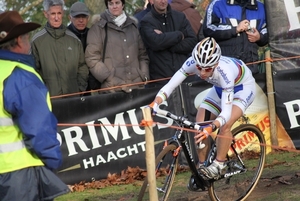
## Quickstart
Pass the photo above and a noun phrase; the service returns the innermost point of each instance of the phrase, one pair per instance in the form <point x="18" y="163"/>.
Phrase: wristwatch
<point x="214" y="127"/>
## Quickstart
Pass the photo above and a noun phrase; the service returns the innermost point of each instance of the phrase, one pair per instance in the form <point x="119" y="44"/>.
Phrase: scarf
<point x="118" y="20"/>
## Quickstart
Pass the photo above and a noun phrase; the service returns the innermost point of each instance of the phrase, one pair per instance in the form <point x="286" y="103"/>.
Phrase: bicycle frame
<point x="249" y="160"/>
<point x="180" y="139"/>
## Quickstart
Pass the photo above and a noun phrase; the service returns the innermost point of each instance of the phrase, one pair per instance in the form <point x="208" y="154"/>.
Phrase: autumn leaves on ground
<point x="280" y="181"/>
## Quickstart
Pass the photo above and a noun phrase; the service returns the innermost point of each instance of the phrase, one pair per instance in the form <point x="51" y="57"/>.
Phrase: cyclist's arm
<point x="187" y="68"/>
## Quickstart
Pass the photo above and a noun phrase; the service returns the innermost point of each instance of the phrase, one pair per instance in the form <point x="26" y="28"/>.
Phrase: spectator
<point x="142" y="13"/>
<point x="126" y="60"/>
<point x="59" y="54"/>
<point x="169" y="39"/>
<point x="29" y="149"/>
<point x="193" y="16"/>
<point x="229" y="22"/>
<point x="79" y="17"/>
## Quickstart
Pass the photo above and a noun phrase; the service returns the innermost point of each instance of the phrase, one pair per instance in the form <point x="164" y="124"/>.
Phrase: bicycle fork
<point x="196" y="180"/>
<point x="175" y="154"/>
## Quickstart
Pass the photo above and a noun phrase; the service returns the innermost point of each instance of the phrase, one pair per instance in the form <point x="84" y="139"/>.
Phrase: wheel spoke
<point x="250" y="146"/>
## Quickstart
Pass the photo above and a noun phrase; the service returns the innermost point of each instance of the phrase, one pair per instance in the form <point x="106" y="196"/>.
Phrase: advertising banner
<point x="284" y="32"/>
<point x="287" y="96"/>
<point x="103" y="134"/>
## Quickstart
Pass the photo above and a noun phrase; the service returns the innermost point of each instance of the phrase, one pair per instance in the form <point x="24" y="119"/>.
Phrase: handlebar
<point x="179" y="119"/>
<point x="185" y="122"/>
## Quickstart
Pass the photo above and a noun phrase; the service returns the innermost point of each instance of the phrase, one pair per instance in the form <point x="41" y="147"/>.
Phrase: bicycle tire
<point x="161" y="161"/>
<point x="253" y="154"/>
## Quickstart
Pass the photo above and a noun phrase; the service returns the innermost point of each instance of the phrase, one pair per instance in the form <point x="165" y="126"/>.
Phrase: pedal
<point x="193" y="186"/>
<point x="233" y="165"/>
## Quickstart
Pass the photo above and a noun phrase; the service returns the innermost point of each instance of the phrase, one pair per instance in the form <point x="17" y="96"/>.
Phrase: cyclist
<point x="232" y="92"/>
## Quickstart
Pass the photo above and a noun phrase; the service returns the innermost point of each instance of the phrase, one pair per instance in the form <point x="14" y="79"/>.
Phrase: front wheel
<point x="166" y="167"/>
<point x="249" y="144"/>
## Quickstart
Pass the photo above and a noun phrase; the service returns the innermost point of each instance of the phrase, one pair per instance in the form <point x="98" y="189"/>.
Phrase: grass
<point x="269" y="189"/>
<point x="108" y="193"/>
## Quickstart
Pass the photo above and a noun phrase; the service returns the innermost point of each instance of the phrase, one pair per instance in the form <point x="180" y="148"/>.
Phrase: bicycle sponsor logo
<point x="232" y="173"/>
<point x="189" y="151"/>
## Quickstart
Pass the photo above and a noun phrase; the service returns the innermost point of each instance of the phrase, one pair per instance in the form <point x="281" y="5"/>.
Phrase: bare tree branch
<point x="35" y="3"/>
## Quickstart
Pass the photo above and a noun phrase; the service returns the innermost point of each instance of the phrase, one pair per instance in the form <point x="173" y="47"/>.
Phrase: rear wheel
<point x="166" y="167"/>
<point x="249" y="143"/>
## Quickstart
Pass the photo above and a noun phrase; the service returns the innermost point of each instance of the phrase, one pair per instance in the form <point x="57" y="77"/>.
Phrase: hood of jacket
<point x="181" y="5"/>
<point x="27" y="59"/>
<point x="56" y="33"/>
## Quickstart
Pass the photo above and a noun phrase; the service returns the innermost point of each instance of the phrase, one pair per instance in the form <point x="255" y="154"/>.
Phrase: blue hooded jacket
<point x="24" y="96"/>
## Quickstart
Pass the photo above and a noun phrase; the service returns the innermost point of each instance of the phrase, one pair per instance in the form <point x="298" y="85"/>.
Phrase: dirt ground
<point x="280" y="181"/>
<point x="270" y="188"/>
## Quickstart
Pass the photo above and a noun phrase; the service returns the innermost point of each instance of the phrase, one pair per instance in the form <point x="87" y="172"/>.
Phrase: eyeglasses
<point x="205" y="69"/>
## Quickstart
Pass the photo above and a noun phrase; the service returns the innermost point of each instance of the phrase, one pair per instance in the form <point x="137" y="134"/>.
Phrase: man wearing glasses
<point x="79" y="17"/>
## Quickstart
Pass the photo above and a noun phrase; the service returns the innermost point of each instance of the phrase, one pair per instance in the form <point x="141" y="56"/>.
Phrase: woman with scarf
<point x="115" y="53"/>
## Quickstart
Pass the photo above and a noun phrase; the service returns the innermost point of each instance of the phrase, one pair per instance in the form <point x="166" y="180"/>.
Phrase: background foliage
<point x="32" y="10"/>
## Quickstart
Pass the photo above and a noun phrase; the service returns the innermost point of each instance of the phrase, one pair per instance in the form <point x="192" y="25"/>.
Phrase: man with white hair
<point x="59" y="54"/>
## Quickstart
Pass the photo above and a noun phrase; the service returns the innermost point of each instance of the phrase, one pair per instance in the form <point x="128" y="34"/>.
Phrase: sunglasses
<point x="205" y="69"/>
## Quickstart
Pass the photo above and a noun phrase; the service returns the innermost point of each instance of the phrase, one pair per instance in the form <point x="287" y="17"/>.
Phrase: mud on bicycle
<point x="245" y="162"/>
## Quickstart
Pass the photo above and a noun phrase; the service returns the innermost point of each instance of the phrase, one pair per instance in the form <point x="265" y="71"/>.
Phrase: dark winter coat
<point x="139" y="16"/>
<point x="82" y="35"/>
<point x="167" y="51"/>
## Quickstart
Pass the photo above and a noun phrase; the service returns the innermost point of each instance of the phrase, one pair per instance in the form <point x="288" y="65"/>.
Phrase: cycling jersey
<point x="232" y="81"/>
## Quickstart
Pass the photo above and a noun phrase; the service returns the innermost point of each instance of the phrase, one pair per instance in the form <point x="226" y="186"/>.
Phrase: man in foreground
<point x="29" y="149"/>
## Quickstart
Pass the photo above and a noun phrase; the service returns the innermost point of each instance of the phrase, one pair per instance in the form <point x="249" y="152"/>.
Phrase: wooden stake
<point x="271" y="100"/>
<point x="150" y="155"/>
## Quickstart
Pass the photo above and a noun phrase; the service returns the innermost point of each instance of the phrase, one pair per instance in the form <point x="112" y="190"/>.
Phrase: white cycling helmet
<point x="207" y="52"/>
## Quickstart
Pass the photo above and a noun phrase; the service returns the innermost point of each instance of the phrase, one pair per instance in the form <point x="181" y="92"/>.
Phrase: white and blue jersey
<point x="232" y="81"/>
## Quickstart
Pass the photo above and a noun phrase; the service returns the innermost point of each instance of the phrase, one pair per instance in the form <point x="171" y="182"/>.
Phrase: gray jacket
<point x="126" y="60"/>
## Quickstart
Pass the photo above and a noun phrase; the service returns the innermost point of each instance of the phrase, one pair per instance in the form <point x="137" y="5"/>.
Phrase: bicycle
<point x="245" y="162"/>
